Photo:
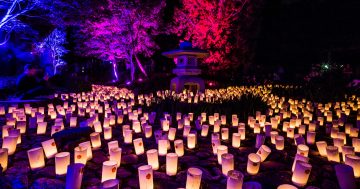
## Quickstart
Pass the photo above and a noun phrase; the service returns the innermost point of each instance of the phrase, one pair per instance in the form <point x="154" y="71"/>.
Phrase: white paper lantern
<point x="95" y="140"/>
<point x="321" y="146"/>
<point x="193" y="179"/>
<point x="235" y="180"/>
<point x="236" y="140"/>
<point x="80" y="155"/>
<point x="146" y="177"/>
<point x="171" y="164"/>
<point x="191" y="141"/>
<point x="221" y="149"/>
<point x="354" y="162"/>
<point x="227" y="163"/>
<point x="253" y="164"/>
<point x="4" y="158"/>
<point x="62" y="160"/>
<point x="36" y="158"/>
<point x="115" y="155"/>
<point x="179" y="147"/>
<point x="263" y="152"/>
<point x="153" y="158"/>
<point x="109" y="169"/>
<point x="162" y="147"/>
<point x="87" y="145"/>
<point x="10" y="143"/>
<point x="332" y="153"/>
<point x="303" y="150"/>
<point x="301" y="174"/>
<point x="139" y="146"/>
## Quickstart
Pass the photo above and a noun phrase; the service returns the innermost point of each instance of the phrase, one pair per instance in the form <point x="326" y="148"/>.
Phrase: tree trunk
<point x="140" y="66"/>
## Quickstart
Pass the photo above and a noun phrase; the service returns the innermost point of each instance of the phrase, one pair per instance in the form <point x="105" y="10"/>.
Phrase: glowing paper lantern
<point x="332" y="153"/>
<point x="204" y="130"/>
<point x="179" y="147"/>
<point x="148" y="131"/>
<point x="162" y="147"/>
<point x="301" y="174"/>
<point x="303" y="150"/>
<point x="253" y="164"/>
<point x="108" y="170"/>
<point x="171" y="164"/>
<point x="236" y="140"/>
<point x="128" y="136"/>
<point x="107" y="133"/>
<point x="221" y="149"/>
<point x="80" y="155"/>
<point x="354" y="162"/>
<point x="299" y="158"/>
<point x="347" y="150"/>
<point x="115" y="155"/>
<point x="263" y="152"/>
<point x="321" y="146"/>
<point x="242" y="133"/>
<point x="225" y="133"/>
<point x="87" y="145"/>
<point x="50" y="148"/>
<point x="146" y="177"/>
<point x="227" y="163"/>
<point x="62" y="160"/>
<point x="4" y="158"/>
<point x="9" y="143"/>
<point x="193" y="179"/>
<point x="139" y="146"/>
<point x="310" y="137"/>
<point x="36" y="158"/>
<point x="273" y="135"/>
<point x="235" y="180"/>
<point x="153" y="158"/>
<point x="95" y="140"/>
<point x="191" y="141"/>
<point x="286" y="186"/>
<point x="41" y="128"/>
<point x="186" y="130"/>
<point x="356" y="144"/>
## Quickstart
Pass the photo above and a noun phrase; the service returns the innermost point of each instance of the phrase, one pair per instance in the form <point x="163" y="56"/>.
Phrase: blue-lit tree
<point x="55" y="44"/>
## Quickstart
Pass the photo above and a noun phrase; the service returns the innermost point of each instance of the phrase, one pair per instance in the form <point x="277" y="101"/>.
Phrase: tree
<point x="55" y="43"/>
<point x="124" y="30"/>
<point x="213" y="25"/>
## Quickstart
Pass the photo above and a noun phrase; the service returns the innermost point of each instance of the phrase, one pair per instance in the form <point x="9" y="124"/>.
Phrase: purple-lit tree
<point x="55" y="44"/>
<point x="124" y="31"/>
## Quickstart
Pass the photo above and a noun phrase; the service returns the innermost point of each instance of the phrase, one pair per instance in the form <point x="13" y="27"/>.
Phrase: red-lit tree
<point x="214" y="25"/>
<point x="124" y="30"/>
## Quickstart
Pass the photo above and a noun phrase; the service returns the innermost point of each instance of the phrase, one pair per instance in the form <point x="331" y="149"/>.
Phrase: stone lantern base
<point x="192" y="83"/>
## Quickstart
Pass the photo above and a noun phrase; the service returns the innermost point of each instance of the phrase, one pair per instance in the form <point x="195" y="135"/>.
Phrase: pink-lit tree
<point x="124" y="31"/>
<point x="213" y="25"/>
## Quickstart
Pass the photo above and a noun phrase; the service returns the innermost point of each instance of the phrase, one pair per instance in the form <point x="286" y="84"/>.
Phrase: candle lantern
<point x="241" y="131"/>
<point x="146" y="177"/>
<point x="179" y="147"/>
<point x="211" y="120"/>
<point x="354" y="132"/>
<point x="302" y="129"/>
<point x="227" y="163"/>
<point x="290" y="132"/>
<point x="136" y="126"/>
<point x="310" y="137"/>
<point x="87" y="145"/>
<point x="332" y="153"/>
<point x="353" y="161"/>
<point x="50" y="148"/>
<point x="162" y="147"/>
<point x="279" y="142"/>
<point x="191" y="141"/>
<point x="236" y="140"/>
<point x="97" y="126"/>
<point x="36" y="158"/>
<point x="95" y="140"/>
<point x="115" y="155"/>
<point x="204" y="130"/>
<point x="139" y="146"/>
<point x="74" y="176"/>
<point x="356" y="144"/>
<point x="301" y="174"/>
<point x="263" y="152"/>
<point x="153" y="158"/>
<point x="148" y="131"/>
<point x="62" y="160"/>
<point x="10" y="143"/>
<point x="347" y="150"/>
<point x="3" y="158"/>
<point x="80" y="155"/>
<point x="108" y="170"/>
<point x="180" y="124"/>
<point x="299" y="158"/>
<point x="15" y="133"/>
<point x="186" y="130"/>
<point x="128" y="136"/>
<point x="253" y="164"/>
<point x="256" y="128"/>
<point x="124" y="128"/>
<point x="21" y="125"/>
<point x="235" y="180"/>
<point x="41" y="128"/>
<point x="171" y="164"/>
<point x="273" y="134"/>
<point x="193" y="179"/>
<point x="107" y="133"/>
<point x="302" y="149"/>
<point x="221" y="149"/>
<point x="286" y="186"/>
<point x="338" y="142"/>
<point x="223" y="119"/>
<point x="321" y="146"/>
<point x="225" y="133"/>
<point x="260" y="139"/>
<point x="172" y="134"/>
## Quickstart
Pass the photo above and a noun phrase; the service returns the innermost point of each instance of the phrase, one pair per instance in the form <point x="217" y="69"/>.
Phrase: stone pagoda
<point x="187" y="70"/>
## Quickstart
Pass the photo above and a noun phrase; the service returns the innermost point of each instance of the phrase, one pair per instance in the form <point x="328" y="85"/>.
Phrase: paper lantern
<point x="4" y="158"/>
<point x="253" y="164"/>
<point x="139" y="146"/>
<point x="193" y="178"/>
<point x="172" y="134"/>
<point x="153" y="158"/>
<point x="36" y="158"/>
<point x="301" y="174"/>
<point x="263" y="152"/>
<point x="179" y="147"/>
<point x="128" y="136"/>
<point x="80" y="155"/>
<point x="186" y="130"/>
<point x="353" y="161"/>
<point x="41" y="128"/>
<point x="10" y="143"/>
<point x="354" y="132"/>
<point x="223" y="119"/>
<point x="227" y="163"/>
<point x="256" y="128"/>
<point x="221" y="149"/>
<point x="62" y="160"/>
<point x="299" y="158"/>
<point x="321" y="146"/>
<point x="162" y="147"/>
<point x="191" y="141"/>
<point x="310" y="137"/>
<point x="108" y="170"/>
<point x="332" y="153"/>
<point x="21" y="125"/>
<point x="164" y="124"/>
<point x="286" y="186"/>
<point x="217" y="126"/>
<point x="136" y="126"/>
<point x="204" y="130"/>
<point x="95" y="140"/>
<point x="50" y="148"/>
<point x="115" y="155"/>
<point x="15" y="133"/>
<point x="290" y="132"/>
<point x="171" y="164"/>
<point x="87" y="145"/>
<point x="235" y="180"/>
<point x="356" y="144"/>
<point x="148" y="131"/>
<point x="339" y="142"/>
<point x="55" y="129"/>
<point x="107" y="133"/>
<point x="146" y="177"/>
<point x="236" y="140"/>
<point x="225" y="134"/>
<point x="242" y="133"/>
<point x="303" y="150"/>
<point x="273" y="135"/>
